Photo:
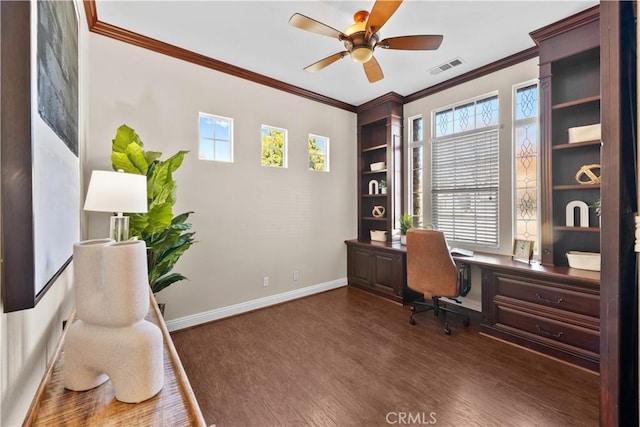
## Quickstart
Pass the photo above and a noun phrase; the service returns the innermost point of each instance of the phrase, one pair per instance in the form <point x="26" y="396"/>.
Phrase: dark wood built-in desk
<point x="552" y="310"/>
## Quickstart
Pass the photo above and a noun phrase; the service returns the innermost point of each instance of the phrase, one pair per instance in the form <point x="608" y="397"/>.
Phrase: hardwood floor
<point x="347" y="358"/>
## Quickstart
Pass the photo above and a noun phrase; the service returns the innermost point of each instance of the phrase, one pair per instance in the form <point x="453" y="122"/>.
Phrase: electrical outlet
<point x="265" y="281"/>
<point x="296" y="275"/>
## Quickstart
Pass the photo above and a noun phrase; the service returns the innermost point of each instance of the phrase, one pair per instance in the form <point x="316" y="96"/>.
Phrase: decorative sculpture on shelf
<point x="110" y="339"/>
<point x="378" y="211"/>
<point x="586" y="171"/>
<point x="583" y="210"/>
<point x="373" y="187"/>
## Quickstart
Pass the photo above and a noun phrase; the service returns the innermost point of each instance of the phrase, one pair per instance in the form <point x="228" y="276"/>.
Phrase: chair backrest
<point x="430" y="268"/>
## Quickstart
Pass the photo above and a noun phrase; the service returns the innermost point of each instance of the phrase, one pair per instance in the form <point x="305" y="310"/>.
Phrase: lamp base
<point x="119" y="228"/>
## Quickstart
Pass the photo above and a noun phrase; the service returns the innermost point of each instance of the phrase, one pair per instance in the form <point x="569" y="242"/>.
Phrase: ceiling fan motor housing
<point x="359" y="46"/>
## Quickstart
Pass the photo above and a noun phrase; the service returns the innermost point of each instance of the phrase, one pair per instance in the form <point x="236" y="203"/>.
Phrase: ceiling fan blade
<point x="372" y="70"/>
<point x="411" y="42"/>
<point x="317" y="66"/>
<point x="380" y="13"/>
<point x="309" y="24"/>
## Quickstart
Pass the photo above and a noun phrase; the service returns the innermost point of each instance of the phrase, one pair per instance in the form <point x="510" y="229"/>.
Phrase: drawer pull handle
<point x="551" y="334"/>
<point x="541" y="298"/>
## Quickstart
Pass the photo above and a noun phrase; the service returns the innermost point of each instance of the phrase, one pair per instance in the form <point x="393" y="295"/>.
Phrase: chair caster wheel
<point x="412" y="321"/>
<point x="447" y="331"/>
<point x="465" y="322"/>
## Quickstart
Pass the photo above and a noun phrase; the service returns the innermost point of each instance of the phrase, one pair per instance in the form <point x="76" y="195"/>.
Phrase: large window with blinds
<point x="465" y="171"/>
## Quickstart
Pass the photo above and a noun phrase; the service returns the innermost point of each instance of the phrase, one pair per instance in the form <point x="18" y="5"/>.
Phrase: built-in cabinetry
<point x="547" y="307"/>
<point x="379" y="142"/>
<point x="380" y="268"/>
<point x="569" y="98"/>
<point x="552" y="310"/>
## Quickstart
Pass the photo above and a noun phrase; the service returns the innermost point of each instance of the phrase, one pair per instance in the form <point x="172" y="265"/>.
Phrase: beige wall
<point x="503" y="82"/>
<point x="28" y="338"/>
<point x="251" y="221"/>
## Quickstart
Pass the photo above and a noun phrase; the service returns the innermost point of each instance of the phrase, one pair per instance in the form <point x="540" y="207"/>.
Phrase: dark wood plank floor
<point x="347" y="358"/>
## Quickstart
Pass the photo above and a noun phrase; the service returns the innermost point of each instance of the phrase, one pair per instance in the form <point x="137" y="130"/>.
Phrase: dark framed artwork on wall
<point x="39" y="142"/>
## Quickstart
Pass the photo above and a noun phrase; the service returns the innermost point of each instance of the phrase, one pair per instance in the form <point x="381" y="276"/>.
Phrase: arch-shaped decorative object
<point x="373" y="187"/>
<point x="584" y="213"/>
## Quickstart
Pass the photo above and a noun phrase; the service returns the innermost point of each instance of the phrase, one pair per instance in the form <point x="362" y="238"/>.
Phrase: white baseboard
<point x="243" y="307"/>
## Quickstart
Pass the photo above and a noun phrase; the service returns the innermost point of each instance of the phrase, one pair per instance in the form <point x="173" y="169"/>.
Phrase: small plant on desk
<point x="406" y="222"/>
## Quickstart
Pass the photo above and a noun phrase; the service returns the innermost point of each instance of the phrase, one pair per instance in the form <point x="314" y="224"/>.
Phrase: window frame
<point x="514" y="123"/>
<point x="215" y="117"/>
<point x="457" y="137"/>
<point x="418" y="218"/>
<point x="325" y="152"/>
<point x="284" y="145"/>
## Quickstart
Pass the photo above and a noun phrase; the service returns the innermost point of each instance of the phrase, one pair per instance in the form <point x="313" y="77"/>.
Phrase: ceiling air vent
<point x="446" y="66"/>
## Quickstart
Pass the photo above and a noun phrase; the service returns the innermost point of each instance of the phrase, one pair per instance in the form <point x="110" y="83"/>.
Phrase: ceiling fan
<point x="362" y="38"/>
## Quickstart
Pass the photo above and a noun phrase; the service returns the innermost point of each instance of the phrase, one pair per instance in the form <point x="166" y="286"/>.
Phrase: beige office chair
<point x="432" y="272"/>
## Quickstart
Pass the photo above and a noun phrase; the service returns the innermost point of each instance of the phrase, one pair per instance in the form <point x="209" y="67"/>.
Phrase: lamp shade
<point x="116" y="192"/>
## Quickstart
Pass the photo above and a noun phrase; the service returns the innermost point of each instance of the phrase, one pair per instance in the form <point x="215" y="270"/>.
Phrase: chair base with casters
<point x="437" y="308"/>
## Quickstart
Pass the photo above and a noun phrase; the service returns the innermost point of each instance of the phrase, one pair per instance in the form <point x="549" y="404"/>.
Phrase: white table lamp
<point x="117" y="192"/>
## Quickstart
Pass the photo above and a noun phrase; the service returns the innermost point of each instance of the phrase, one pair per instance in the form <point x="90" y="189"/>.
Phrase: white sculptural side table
<point x="111" y="339"/>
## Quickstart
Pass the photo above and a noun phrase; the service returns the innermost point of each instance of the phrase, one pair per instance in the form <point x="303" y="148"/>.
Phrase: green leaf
<point x="125" y="136"/>
<point x="151" y="156"/>
<point x="160" y="178"/>
<point x="165" y="281"/>
<point x="136" y="156"/>
<point x="162" y="194"/>
<point x="158" y="217"/>
<point x="121" y="161"/>
<point x="179" y="219"/>
<point x="175" y="161"/>
<point x="137" y="224"/>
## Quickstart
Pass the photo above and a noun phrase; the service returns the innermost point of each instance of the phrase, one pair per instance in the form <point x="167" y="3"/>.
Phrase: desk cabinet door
<point x="387" y="272"/>
<point x="360" y="266"/>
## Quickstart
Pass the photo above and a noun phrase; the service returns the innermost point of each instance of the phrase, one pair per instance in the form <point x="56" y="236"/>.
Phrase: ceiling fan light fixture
<point x="359" y="23"/>
<point x="361" y="54"/>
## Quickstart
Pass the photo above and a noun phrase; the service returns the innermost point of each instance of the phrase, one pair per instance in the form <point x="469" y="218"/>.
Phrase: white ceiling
<point x="255" y="35"/>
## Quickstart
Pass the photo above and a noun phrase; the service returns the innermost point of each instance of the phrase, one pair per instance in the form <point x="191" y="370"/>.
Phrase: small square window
<point x="216" y="138"/>
<point x="318" y="153"/>
<point x="274" y="146"/>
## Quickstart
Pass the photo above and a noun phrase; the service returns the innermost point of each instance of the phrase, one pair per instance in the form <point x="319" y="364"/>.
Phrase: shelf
<point x="577" y="187"/>
<point x="374" y="195"/>
<point x="575" y="102"/>
<point x="374" y="148"/>
<point x="372" y="218"/>
<point x="577" y="145"/>
<point x="577" y="229"/>
<point x="374" y="172"/>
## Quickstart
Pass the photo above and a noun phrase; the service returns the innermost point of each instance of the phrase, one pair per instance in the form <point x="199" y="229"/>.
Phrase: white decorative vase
<point x="110" y="339"/>
<point x="403" y="239"/>
<point x="383" y="190"/>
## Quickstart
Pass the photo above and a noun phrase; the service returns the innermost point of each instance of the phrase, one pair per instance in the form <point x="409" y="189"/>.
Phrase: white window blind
<point x="465" y="187"/>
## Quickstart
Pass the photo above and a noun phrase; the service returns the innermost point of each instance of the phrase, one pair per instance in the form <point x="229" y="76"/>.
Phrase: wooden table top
<point x="174" y="405"/>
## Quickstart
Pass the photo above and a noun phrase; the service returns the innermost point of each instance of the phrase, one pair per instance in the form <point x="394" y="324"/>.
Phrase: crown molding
<point x="98" y="27"/>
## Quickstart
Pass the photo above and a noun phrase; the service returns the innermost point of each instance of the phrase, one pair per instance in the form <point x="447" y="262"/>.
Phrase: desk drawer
<point x="548" y="294"/>
<point x="549" y="329"/>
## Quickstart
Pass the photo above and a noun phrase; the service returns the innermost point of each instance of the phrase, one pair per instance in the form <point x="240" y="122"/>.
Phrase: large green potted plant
<point x="167" y="237"/>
